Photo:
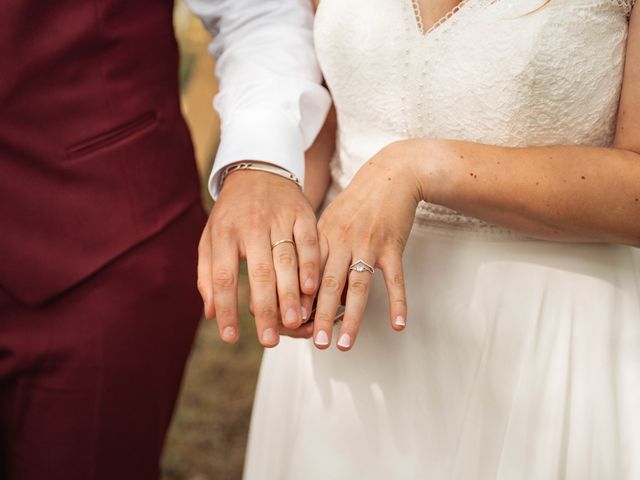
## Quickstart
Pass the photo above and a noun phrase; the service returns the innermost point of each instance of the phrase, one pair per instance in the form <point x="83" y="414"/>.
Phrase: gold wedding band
<point x="361" y="266"/>
<point x="280" y="242"/>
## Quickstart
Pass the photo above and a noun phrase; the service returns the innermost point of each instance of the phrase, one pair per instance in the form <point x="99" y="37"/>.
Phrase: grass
<point x="208" y="435"/>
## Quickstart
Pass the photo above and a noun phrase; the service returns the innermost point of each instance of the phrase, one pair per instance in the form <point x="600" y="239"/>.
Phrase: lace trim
<point x="415" y="4"/>
<point x="627" y="5"/>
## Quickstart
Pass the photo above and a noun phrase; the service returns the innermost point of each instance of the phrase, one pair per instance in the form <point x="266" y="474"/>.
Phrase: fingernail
<point x="291" y="316"/>
<point x="269" y="336"/>
<point x="322" y="338"/>
<point x="345" y="341"/>
<point x="229" y="333"/>
<point x="304" y="312"/>
<point x="308" y="283"/>
<point x="400" y="321"/>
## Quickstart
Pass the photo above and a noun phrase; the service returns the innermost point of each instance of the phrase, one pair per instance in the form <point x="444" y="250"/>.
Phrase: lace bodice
<point x="491" y="72"/>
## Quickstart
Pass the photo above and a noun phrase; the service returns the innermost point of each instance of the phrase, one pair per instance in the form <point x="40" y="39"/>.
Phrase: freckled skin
<point x="525" y="194"/>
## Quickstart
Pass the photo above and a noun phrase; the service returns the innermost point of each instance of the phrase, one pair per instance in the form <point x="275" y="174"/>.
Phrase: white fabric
<point x="271" y="103"/>
<point x="521" y="358"/>
<point x="531" y="80"/>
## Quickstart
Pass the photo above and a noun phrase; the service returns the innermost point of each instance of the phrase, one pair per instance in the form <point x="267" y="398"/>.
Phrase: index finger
<point x="224" y="278"/>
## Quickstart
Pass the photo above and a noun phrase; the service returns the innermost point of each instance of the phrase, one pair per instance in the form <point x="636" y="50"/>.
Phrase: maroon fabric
<point x="94" y="154"/>
<point x="99" y="225"/>
<point x="88" y="381"/>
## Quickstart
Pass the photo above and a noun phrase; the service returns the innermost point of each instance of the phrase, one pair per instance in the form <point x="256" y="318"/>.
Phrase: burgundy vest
<point x="95" y="156"/>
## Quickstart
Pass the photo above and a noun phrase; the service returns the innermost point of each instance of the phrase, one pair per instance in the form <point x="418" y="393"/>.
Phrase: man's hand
<point x="254" y="210"/>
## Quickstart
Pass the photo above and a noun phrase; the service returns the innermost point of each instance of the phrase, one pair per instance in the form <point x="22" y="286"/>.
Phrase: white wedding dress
<point x="521" y="358"/>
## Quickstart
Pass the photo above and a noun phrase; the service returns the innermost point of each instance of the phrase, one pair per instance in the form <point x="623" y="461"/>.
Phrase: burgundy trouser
<point x="88" y="382"/>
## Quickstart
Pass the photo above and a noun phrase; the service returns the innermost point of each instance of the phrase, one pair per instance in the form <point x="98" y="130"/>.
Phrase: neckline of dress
<point x="446" y="18"/>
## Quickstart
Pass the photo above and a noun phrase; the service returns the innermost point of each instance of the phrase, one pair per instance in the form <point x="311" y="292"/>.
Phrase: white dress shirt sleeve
<point x="271" y="102"/>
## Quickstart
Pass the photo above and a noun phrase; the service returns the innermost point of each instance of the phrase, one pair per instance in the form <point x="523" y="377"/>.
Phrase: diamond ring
<point x="361" y="266"/>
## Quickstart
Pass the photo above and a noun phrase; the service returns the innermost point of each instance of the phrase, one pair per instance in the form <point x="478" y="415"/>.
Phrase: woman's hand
<point x="369" y="221"/>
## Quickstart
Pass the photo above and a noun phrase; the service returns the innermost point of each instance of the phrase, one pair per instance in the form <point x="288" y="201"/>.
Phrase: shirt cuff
<point x="261" y="136"/>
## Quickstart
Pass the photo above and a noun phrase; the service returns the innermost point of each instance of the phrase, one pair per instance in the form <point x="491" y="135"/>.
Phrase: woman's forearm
<point x="572" y="193"/>
<point x="317" y="159"/>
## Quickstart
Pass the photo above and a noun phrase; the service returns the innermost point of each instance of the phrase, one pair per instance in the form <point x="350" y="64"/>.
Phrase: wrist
<point x="258" y="167"/>
<point x="425" y="161"/>
<point x="243" y="181"/>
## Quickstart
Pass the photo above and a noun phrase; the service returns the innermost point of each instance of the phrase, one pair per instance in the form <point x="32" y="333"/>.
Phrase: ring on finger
<point x="280" y="242"/>
<point x="361" y="266"/>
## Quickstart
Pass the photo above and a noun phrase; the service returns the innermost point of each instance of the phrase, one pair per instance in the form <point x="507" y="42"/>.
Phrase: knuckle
<point x="337" y="231"/>
<point x="343" y="229"/>
<point x="223" y="279"/>
<point x="288" y="298"/>
<point x="359" y="287"/>
<point x="285" y="258"/>
<point x="285" y="218"/>
<point x="330" y="283"/>
<point x="222" y="225"/>
<point x="323" y="318"/>
<point x="308" y="266"/>
<point x="224" y="230"/>
<point x="261" y="272"/>
<point x="397" y="280"/>
<point x="256" y="218"/>
<point x="396" y="242"/>
<point x="225" y="313"/>
<point x="303" y="209"/>
<point x="400" y="302"/>
<point x="372" y="236"/>
<point x="308" y="240"/>
<point x="267" y="312"/>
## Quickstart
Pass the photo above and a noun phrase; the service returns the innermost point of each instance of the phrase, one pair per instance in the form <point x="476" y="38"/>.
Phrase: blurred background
<point x="209" y="430"/>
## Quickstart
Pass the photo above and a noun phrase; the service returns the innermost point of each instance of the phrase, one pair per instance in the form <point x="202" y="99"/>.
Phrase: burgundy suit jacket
<point x="95" y="156"/>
